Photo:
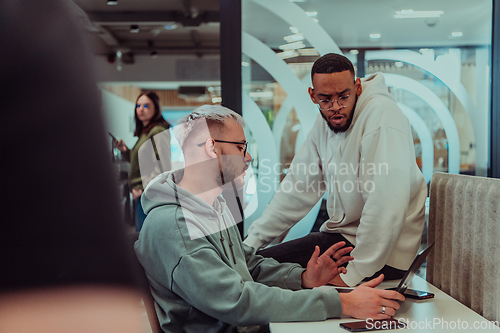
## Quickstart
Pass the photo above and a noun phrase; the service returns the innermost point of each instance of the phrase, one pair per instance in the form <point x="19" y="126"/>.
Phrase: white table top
<point x="439" y="314"/>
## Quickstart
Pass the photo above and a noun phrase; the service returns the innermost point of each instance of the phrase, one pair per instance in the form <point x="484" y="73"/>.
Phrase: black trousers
<point x="300" y="250"/>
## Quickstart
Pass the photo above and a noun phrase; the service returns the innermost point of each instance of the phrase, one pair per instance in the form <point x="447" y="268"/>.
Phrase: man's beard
<point x="228" y="171"/>
<point x="344" y="128"/>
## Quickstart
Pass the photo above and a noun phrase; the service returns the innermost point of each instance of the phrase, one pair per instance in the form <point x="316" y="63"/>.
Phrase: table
<point x="439" y="314"/>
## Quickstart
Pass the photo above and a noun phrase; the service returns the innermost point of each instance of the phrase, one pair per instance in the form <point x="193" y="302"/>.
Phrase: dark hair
<point x="332" y="63"/>
<point x="157" y="117"/>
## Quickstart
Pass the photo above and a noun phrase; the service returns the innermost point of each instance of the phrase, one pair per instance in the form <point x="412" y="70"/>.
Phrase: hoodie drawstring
<point x="231" y="244"/>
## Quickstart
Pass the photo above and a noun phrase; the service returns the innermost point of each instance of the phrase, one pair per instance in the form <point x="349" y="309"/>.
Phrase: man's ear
<point x="311" y="94"/>
<point x="358" y="87"/>
<point x="210" y="148"/>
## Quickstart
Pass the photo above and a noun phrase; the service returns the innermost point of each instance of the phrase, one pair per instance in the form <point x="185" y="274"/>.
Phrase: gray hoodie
<point x="202" y="284"/>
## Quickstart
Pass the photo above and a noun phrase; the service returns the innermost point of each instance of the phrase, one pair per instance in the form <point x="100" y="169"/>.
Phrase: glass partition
<point x="435" y="56"/>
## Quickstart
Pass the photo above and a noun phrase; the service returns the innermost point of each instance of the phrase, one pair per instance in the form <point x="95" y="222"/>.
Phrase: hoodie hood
<point x="372" y="86"/>
<point x="201" y="218"/>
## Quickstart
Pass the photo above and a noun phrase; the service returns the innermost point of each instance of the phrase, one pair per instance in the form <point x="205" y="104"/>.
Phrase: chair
<point x="147" y="298"/>
<point x="464" y="222"/>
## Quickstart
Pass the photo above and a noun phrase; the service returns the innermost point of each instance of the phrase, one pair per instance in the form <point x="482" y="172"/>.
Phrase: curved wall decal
<point x="294" y="15"/>
<point x="435" y="103"/>
<point x="267" y="154"/>
<point x="279" y="70"/>
<point x="425" y="137"/>
<point x="449" y="80"/>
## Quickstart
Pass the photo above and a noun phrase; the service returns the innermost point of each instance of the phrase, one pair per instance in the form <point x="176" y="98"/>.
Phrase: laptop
<point x="415" y="265"/>
<point x="410" y="273"/>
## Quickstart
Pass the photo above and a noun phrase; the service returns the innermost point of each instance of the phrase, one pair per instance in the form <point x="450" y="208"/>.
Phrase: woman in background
<point x="148" y="123"/>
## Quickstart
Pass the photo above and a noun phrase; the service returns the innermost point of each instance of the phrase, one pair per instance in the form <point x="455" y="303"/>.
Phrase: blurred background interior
<point x="436" y="57"/>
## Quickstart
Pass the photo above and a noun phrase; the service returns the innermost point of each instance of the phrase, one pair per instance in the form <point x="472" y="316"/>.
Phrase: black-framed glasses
<point x="245" y="144"/>
<point x="327" y="104"/>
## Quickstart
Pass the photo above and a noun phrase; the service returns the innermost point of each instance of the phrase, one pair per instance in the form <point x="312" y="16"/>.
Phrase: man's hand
<point x="321" y="269"/>
<point x="367" y="302"/>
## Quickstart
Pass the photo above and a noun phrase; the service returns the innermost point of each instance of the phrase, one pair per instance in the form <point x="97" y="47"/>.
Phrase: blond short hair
<point x="211" y="115"/>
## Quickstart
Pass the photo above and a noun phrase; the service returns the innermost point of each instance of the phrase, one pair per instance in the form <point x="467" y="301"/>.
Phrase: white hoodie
<point x="376" y="192"/>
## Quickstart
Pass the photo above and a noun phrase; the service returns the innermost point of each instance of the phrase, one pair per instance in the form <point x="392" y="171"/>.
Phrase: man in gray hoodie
<point x="202" y="277"/>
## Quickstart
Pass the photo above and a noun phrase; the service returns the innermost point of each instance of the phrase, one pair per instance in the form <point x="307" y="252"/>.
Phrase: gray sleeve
<point x="207" y="283"/>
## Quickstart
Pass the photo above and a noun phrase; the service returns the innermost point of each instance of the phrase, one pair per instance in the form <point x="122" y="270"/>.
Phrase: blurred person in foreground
<point x="148" y="123"/>
<point x="63" y="255"/>
<point x="360" y="154"/>
<point x="202" y="277"/>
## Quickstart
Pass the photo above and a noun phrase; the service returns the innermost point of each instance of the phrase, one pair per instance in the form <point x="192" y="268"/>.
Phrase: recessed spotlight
<point x="245" y="64"/>
<point x="293" y="38"/>
<point x="112" y="2"/>
<point x="292" y="46"/>
<point x="134" y="28"/>
<point x="354" y="51"/>
<point x="288" y="54"/>
<point x="375" y="36"/>
<point x="312" y="14"/>
<point x="294" y="30"/>
<point x="170" y="26"/>
<point x="315" y="20"/>
<point x="308" y="52"/>
<point x="410" y="13"/>
<point x="457" y="34"/>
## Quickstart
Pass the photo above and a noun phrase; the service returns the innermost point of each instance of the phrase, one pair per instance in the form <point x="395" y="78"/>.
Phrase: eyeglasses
<point x="244" y="144"/>
<point x="327" y="104"/>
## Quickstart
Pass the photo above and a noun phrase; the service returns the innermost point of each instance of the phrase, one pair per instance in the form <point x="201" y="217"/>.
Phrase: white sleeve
<point x="298" y="193"/>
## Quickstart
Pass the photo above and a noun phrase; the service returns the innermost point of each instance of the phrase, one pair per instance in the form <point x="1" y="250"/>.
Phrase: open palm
<point x="321" y="269"/>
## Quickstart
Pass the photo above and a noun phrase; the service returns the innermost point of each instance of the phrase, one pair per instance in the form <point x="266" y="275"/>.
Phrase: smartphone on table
<point x="373" y="325"/>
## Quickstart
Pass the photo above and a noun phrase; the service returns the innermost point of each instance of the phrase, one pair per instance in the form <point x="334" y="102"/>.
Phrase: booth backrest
<point x="464" y="222"/>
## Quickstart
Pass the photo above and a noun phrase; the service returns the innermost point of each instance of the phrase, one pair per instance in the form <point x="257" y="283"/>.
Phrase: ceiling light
<point x="457" y="34"/>
<point x="288" y="54"/>
<point x="410" y="13"/>
<point x="312" y="14"/>
<point x="293" y="38"/>
<point x="112" y="2"/>
<point x="292" y="46"/>
<point x="399" y="64"/>
<point x="134" y="28"/>
<point x="245" y="64"/>
<point x="170" y="26"/>
<point x="315" y="20"/>
<point x="375" y="36"/>
<point x="354" y="51"/>
<point x="294" y="30"/>
<point x="308" y="52"/>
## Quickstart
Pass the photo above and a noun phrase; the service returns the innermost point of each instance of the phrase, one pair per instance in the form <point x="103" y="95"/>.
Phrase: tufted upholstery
<point x="464" y="222"/>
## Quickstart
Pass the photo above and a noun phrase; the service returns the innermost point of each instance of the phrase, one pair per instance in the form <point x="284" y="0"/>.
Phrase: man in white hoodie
<point x="360" y="152"/>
